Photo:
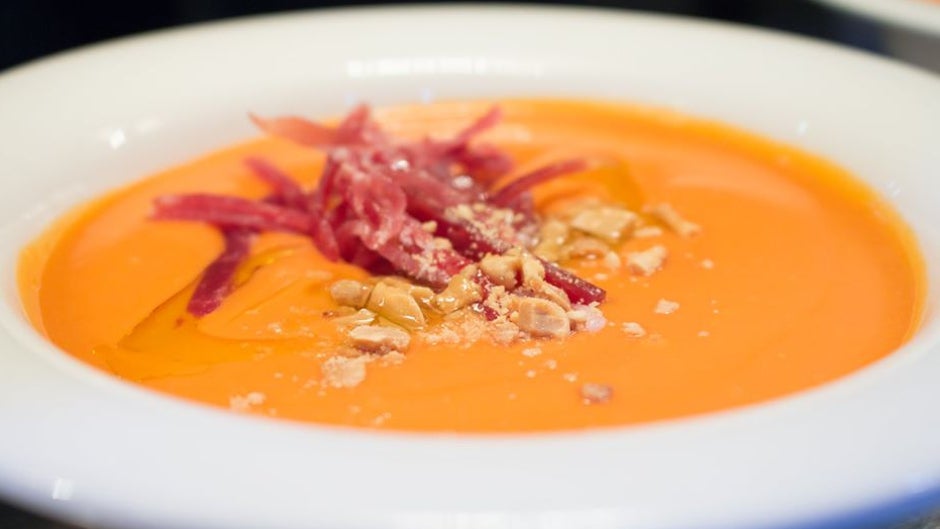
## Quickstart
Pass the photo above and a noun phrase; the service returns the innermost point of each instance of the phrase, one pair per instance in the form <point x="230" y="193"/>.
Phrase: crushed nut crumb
<point x="501" y="269"/>
<point x="392" y="358"/>
<point x="542" y="318"/>
<point x="586" y="248"/>
<point x="552" y="236"/>
<point x="344" y="371"/>
<point x="633" y="329"/>
<point x="665" y="306"/>
<point x="612" y="261"/>
<point x="586" y="318"/>
<point x="607" y="223"/>
<point x="647" y="261"/>
<point x="246" y="402"/>
<point x="380" y="340"/>
<point x="666" y="214"/>
<point x="531" y="352"/>
<point x="646" y="232"/>
<point x="350" y="293"/>
<point x="596" y="393"/>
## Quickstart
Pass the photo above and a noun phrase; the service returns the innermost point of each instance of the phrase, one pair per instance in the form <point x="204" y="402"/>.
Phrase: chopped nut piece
<point x="391" y="358"/>
<point x="553" y="294"/>
<point x="350" y="293"/>
<point x="587" y="318"/>
<point x="531" y="352"/>
<point x="344" y="371"/>
<point x="552" y="236"/>
<point x="460" y="292"/>
<point x="664" y="306"/>
<point x="429" y="226"/>
<point x="612" y="261"/>
<point x="501" y="269"/>
<point x="647" y="261"/>
<point x="671" y="218"/>
<point x="586" y="247"/>
<point x="607" y="223"/>
<point x="245" y="403"/>
<point x="633" y="329"/>
<point x="422" y="294"/>
<point x="645" y="232"/>
<point x="542" y="318"/>
<point x="396" y="305"/>
<point x="596" y="393"/>
<point x="532" y="271"/>
<point x="360" y="317"/>
<point x="376" y="339"/>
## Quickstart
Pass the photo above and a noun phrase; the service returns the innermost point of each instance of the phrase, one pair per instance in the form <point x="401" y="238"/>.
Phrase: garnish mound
<point x="449" y="232"/>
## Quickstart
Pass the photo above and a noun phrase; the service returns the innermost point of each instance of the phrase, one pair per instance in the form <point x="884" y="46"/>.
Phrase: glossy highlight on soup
<point x="748" y="270"/>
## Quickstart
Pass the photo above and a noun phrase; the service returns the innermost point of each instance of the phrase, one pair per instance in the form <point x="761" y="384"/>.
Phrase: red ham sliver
<point x="234" y="212"/>
<point x="507" y="195"/>
<point x="216" y="281"/>
<point x="299" y="130"/>
<point x="285" y="190"/>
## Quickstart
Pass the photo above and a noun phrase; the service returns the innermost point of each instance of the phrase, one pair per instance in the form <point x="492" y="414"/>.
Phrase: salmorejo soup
<point x="535" y="265"/>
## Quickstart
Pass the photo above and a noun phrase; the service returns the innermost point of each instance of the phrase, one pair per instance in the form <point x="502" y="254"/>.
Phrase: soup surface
<point x="798" y="275"/>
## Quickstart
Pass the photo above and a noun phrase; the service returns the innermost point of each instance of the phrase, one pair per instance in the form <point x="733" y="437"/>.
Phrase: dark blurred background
<point x="34" y="28"/>
<point x="30" y="29"/>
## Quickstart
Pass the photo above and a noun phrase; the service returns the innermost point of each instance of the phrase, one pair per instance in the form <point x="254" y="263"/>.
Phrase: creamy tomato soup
<point x="648" y="266"/>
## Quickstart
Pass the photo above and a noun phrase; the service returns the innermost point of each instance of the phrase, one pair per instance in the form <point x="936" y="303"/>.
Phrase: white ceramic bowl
<point x="912" y="27"/>
<point x="79" y="445"/>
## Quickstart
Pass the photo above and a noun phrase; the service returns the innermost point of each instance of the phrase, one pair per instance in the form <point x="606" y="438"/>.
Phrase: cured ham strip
<point x="216" y="281"/>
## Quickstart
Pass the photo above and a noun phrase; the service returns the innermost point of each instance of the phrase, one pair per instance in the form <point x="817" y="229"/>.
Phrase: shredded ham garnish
<point x="216" y="282"/>
<point x="371" y="200"/>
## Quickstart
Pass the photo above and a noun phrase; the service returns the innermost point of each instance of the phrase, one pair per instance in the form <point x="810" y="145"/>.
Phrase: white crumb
<point x="633" y="329"/>
<point x="665" y="306"/>
<point x="245" y="403"/>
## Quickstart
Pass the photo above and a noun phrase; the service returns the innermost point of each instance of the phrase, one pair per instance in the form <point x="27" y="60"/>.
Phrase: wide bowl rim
<point x="21" y="484"/>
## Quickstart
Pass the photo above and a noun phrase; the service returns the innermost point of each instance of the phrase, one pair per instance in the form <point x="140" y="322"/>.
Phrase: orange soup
<point x="746" y="270"/>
